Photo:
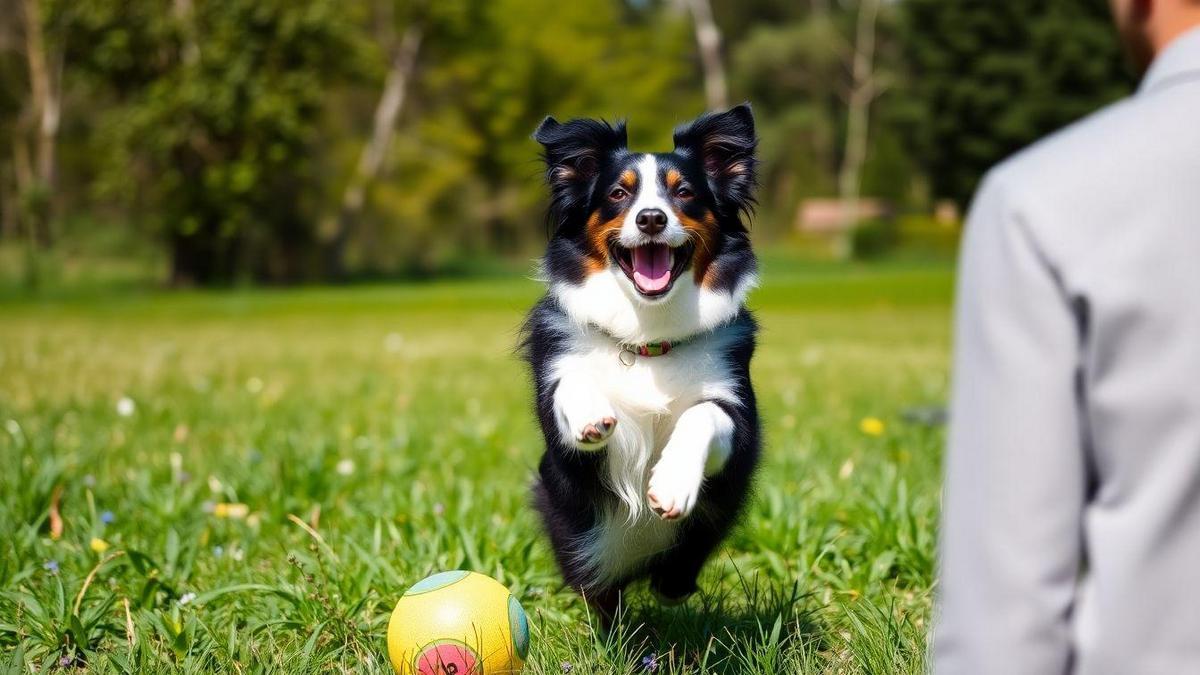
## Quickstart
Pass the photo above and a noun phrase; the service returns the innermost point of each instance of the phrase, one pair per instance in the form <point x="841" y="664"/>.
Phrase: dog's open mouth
<point x="652" y="268"/>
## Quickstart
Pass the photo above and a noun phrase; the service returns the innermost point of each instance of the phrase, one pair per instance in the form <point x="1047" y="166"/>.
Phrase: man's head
<point x="1147" y="26"/>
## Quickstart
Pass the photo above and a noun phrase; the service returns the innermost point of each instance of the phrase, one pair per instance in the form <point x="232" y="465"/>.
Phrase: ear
<point x="574" y="151"/>
<point x="724" y="143"/>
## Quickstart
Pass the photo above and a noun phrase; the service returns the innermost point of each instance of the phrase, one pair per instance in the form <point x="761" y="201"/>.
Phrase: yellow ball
<point x="458" y="623"/>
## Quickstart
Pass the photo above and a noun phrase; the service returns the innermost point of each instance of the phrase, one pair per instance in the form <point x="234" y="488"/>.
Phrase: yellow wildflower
<point x="98" y="545"/>
<point x="234" y="510"/>
<point x="871" y="426"/>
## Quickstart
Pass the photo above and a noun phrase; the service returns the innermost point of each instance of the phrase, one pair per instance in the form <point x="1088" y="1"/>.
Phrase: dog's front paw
<point x="594" y="435"/>
<point x="588" y="420"/>
<point x="673" y="490"/>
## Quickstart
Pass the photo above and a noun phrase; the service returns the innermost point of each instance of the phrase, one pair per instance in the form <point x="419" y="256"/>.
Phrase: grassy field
<point x="246" y="481"/>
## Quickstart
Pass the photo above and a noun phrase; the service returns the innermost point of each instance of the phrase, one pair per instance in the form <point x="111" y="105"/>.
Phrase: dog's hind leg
<point x="606" y="603"/>
<point x="673" y="574"/>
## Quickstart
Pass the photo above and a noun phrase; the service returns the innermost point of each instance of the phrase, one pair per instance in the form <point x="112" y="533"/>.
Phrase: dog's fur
<point x="648" y="459"/>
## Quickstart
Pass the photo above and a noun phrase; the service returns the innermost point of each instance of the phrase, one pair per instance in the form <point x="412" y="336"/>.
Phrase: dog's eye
<point x="684" y="193"/>
<point x="618" y="194"/>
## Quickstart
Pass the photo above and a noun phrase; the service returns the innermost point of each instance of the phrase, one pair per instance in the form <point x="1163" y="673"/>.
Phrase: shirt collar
<point x="1179" y="62"/>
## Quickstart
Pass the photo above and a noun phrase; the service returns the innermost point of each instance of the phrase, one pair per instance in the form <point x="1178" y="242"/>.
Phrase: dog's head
<point x="665" y="228"/>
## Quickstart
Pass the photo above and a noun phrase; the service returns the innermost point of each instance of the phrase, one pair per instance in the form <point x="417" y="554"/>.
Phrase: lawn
<point x="246" y="481"/>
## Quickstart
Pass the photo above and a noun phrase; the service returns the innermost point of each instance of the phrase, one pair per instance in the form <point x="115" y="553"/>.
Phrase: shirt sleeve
<point x="1011" y="534"/>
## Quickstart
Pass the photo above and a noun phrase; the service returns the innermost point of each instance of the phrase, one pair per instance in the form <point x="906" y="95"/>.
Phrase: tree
<point x="708" y="40"/>
<point x="215" y="126"/>
<point x="12" y="97"/>
<point x="402" y="64"/>
<point x="817" y="77"/>
<point x="990" y="78"/>
<point x="464" y="175"/>
<point x="864" y="87"/>
<point x="35" y="131"/>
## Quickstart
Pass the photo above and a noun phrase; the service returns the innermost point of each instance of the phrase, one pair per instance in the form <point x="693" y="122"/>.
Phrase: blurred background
<point x="193" y="143"/>
<point x="251" y="474"/>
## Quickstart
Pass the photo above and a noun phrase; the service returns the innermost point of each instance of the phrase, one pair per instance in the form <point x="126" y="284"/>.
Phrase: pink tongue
<point x="652" y="267"/>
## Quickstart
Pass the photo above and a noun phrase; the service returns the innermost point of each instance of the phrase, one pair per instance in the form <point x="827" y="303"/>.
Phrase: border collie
<point x="640" y="352"/>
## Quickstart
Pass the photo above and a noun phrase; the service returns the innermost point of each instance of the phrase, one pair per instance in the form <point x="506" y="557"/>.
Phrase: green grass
<point x="396" y="421"/>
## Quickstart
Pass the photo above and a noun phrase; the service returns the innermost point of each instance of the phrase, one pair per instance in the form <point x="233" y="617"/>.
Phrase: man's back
<point x="1075" y="439"/>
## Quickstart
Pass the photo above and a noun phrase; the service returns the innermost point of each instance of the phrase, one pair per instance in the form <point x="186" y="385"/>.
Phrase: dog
<point x="640" y="352"/>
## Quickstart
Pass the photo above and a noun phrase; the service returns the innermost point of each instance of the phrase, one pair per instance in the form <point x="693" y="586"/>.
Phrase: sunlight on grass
<point x="252" y="478"/>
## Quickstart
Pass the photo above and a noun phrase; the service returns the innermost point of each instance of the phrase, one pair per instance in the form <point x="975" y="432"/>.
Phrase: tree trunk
<point x="205" y="258"/>
<point x="708" y="39"/>
<point x="189" y="266"/>
<point x="858" y="106"/>
<point x="45" y="97"/>
<point x="387" y="111"/>
<point x="182" y="11"/>
<point x="8" y="204"/>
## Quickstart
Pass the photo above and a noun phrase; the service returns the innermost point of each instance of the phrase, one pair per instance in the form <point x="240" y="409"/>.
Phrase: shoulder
<point x="547" y="316"/>
<point x="1108" y="153"/>
<point x="741" y="325"/>
<point x="1070" y="155"/>
<point x="736" y="335"/>
<point x="545" y="327"/>
<point x="745" y="322"/>
<point x="1063" y="189"/>
<point x="735" y="341"/>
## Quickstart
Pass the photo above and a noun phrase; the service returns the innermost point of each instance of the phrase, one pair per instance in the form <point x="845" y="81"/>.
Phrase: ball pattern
<point x="518" y="624"/>
<point x="446" y="657"/>
<point x="435" y="581"/>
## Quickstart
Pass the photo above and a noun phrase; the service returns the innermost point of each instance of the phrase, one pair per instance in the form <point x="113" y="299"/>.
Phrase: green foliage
<point x="990" y="78"/>
<point x="873" y="238"/>
<point x="927" y="235"/>
<point x="797" y="71"/>
<point x="793" y="73"/>
<point x="226" y="133"/>
<point x="466" y="176"/>
<point x="393" y="421"/>
<point x="911" y="235"/>
<point x="214" y="123"/>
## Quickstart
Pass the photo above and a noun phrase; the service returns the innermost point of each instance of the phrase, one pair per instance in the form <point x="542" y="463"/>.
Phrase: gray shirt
<point x="1070" y="538"/>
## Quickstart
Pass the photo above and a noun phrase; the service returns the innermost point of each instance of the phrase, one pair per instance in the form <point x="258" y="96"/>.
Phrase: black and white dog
<point x="640" y="352"/>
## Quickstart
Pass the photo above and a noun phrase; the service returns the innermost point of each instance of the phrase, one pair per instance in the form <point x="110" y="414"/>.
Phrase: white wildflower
<point x="394" y="342"/>
<point x="847" y="469"/>
<point x="126" y="407"/>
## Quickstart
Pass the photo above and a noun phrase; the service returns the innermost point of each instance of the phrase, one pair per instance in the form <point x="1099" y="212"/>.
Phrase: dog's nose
<point x="651" y="221"/>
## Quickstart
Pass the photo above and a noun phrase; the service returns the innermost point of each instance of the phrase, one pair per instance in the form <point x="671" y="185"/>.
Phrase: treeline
<point x="284" y="140"/>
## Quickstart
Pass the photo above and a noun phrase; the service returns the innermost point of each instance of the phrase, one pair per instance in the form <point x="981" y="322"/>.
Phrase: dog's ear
<point x="724" y="144"/>
<point x="574" y="150"/>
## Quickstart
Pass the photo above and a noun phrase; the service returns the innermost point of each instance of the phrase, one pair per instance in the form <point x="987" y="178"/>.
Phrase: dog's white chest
<point x="659" y="386"/>
<point x="648" y="395"/>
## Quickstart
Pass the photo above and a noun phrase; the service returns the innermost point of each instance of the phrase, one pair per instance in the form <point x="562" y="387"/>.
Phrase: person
<point x="1070" y="539"/>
